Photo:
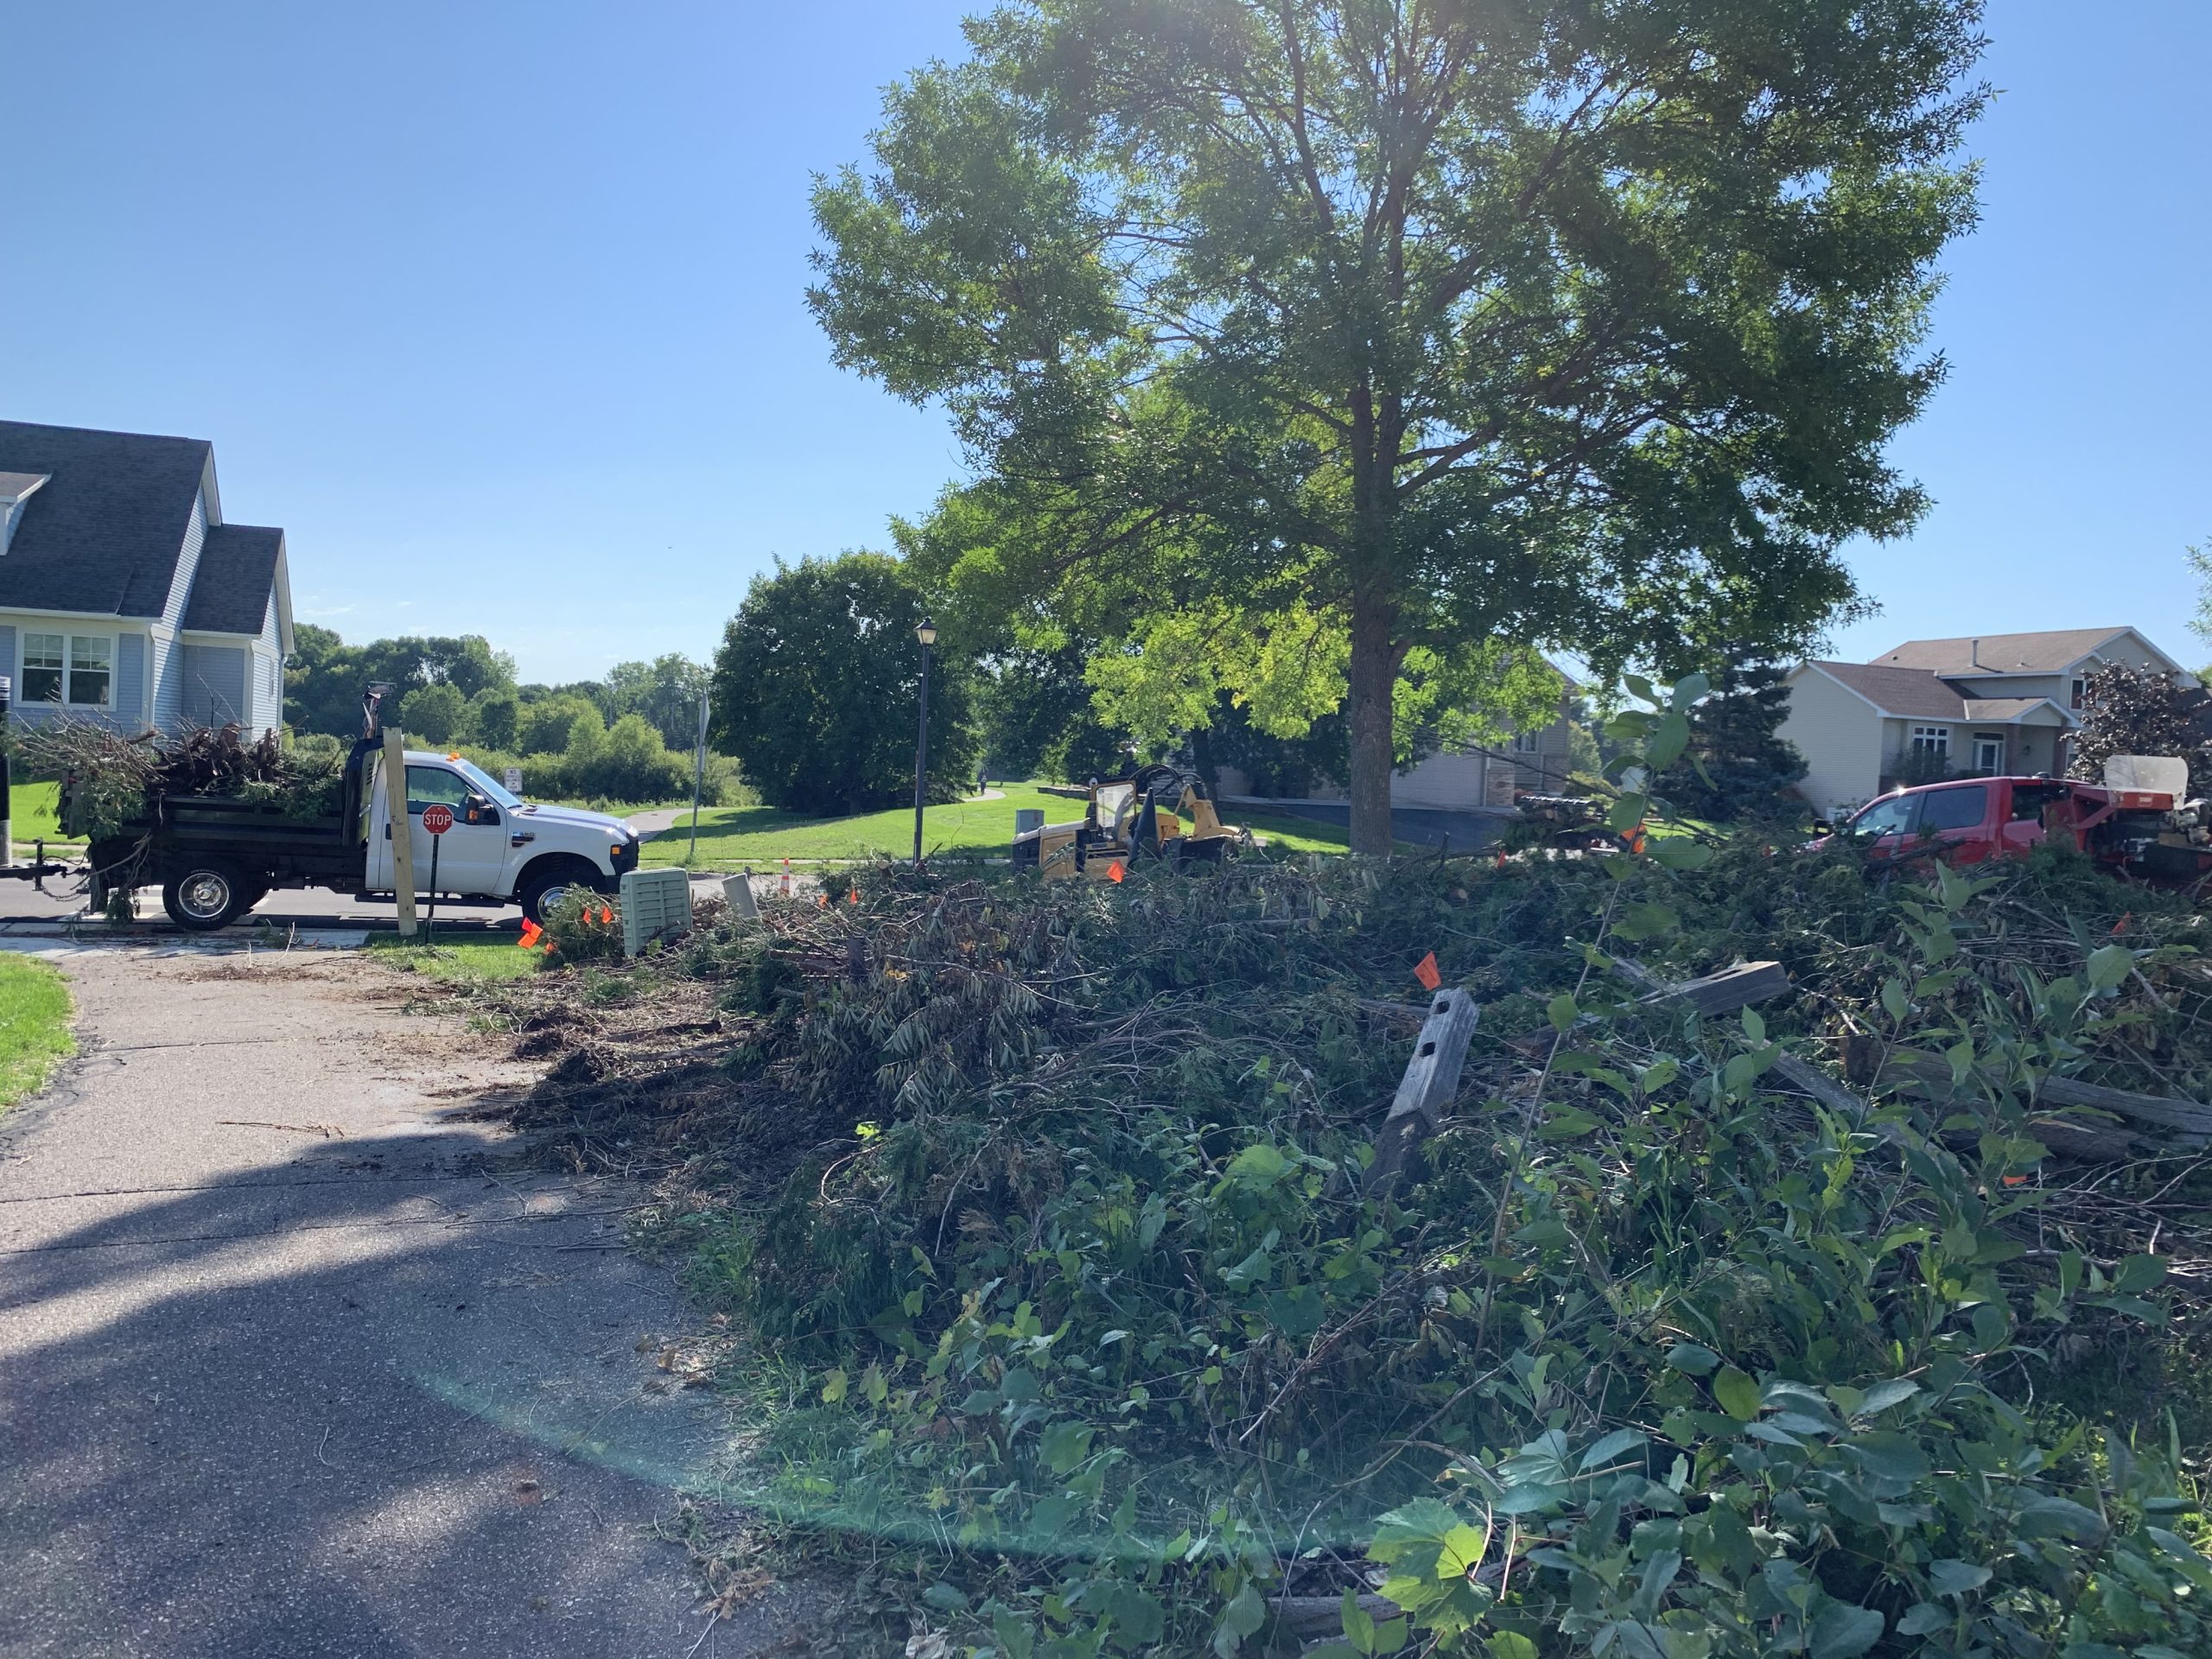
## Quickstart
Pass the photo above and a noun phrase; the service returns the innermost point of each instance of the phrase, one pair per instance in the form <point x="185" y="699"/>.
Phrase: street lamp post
<point x="926" y="632"/>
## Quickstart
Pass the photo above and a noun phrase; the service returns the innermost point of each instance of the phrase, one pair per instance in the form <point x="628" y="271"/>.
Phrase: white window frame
<point x="2074" y="691"/>
<point x="1997" y="762"/>
<point x="1529" y="743"/>
<point x="70" y="637"/>
<point x="1930" y="739"/>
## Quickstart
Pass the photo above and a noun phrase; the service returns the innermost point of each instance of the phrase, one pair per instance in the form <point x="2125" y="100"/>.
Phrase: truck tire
<point x="546" y="883"/>
<point x="204" y="895"/>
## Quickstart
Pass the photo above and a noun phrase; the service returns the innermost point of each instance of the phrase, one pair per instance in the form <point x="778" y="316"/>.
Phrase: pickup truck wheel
<point x="202" y="897"/>
<point x="544" y="887"/>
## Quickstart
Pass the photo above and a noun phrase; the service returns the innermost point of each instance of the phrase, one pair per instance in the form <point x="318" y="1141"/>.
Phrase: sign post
<point x="396" y="826"/>
<point x="437" y="818"/>
<point x="7" y="818"/>
<point x="698" y="778"/>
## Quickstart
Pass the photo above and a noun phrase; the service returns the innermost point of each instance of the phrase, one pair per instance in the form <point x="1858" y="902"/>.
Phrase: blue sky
<point x="497" y="308"/>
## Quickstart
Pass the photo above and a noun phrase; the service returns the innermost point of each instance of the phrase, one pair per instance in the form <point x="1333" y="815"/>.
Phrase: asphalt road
<point x="295" y="1359"/>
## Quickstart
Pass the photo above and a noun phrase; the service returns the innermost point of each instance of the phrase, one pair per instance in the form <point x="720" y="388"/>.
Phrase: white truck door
<point x="472" y="855"/>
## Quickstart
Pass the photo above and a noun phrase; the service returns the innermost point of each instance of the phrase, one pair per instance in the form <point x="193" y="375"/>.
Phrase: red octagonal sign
<point x="437" y="819"/>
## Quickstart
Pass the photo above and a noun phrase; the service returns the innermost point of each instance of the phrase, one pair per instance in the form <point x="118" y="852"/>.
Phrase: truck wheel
<point x="202" y="897"/>
<point x="547" y="885"/>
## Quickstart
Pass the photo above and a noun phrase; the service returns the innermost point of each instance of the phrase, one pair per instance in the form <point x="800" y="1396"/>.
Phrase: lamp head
<point x="926" y="632"/>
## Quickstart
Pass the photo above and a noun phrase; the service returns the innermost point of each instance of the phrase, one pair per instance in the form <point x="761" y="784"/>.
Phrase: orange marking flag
<point x="531" y="934"/>
<point x="1114" y="871"/>
<point x="1424" y="971"/>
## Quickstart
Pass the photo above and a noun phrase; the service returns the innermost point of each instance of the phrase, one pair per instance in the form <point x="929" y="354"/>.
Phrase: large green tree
<point x="326" y="677"/>
<point x="817" y="687"/>
<point x="666" y="692"/>
<point x="1348" y="339"/>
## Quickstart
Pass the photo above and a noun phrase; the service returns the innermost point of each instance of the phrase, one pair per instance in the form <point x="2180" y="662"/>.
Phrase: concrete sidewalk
<point x="296" y="1361"/>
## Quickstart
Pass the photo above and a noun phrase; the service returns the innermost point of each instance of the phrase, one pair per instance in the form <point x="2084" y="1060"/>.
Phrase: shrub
<point x="817" y="688"/>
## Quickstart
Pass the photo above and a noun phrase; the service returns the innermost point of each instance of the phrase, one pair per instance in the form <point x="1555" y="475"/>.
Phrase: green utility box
<point x="655" y="905"/>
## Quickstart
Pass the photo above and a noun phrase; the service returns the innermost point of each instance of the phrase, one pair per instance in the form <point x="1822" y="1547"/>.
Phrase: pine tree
<point x="1736" y="734"/>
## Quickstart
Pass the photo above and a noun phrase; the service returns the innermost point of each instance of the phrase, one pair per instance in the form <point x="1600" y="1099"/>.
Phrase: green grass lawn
<point x="33" y="1025"/>
<point x="457" y="961"/>
<point x="35" y="806"/>
<point x="730" y="836"/>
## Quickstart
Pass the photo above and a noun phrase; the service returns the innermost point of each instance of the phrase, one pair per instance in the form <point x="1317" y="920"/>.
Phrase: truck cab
<point x="500" y="847"/>
<point x="2135" y="821"/>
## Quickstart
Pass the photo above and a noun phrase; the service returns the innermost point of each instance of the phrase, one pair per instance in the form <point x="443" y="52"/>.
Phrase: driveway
<point x="295" y="1360"/>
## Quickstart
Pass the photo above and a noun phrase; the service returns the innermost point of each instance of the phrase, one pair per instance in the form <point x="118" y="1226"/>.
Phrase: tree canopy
<point x="817" y="687"/>
<point x="1316" y="350"/>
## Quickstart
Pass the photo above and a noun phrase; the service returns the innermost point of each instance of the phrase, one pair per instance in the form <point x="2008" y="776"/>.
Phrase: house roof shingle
<point x="2001" y="653"/>
<point x="103" y="535"/>
<point x="238" y="568"/>
<point x="1908" y="692"/>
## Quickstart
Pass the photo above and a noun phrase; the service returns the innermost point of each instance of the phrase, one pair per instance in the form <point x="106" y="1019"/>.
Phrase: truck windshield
<point x="490" y="791"/>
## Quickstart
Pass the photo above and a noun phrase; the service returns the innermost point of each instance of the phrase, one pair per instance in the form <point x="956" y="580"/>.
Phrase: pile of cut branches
<point x="112" y="781"/>
<point x="1053" y="1203"/>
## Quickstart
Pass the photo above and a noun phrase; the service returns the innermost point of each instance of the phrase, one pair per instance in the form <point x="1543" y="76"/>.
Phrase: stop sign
<point x="437" y="819"/>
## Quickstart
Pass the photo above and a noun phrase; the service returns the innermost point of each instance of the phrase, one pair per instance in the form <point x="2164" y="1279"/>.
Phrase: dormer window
<point x="16" y="488"/>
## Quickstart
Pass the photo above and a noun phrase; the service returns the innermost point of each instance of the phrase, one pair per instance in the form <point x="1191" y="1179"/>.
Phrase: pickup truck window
<point x="1954" y="809"/>
<point x="1894" y="816"/>
<point x="426" y="785"/>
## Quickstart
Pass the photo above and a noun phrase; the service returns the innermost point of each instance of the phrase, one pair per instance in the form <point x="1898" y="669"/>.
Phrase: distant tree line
<point x="626" y="738"/>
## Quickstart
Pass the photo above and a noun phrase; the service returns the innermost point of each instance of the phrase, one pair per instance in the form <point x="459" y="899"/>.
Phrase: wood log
<point x="2187" y="1123"/>
<point x="1425" y="1092"/>
<point x="1722" y="993"/>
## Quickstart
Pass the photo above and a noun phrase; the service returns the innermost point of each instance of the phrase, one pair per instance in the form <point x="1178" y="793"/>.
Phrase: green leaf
<point x="1646" y="921"/>
<point x="1955" y="1578"/>
<point x="1693" y="1357"/>
<point x="1687" y="690"/>
<point x="1620" y="1440"/>
<point x="1924" y="1618"/>
<point x="945" y="1598"/>
<point x="1681" y="853"/>
<point x="1510" y="1644"/>
<point x="1883" y="1395"/>
<point x="1063" y="1446"/>
<point x="1670" y="736"/>
<point x="1359" y="1625"/>
<point x="2108" y="966"/>
<point x="1561" y="1012"/>
<point x="1888" y="1455"/>
<point x="2137" y="1273"/>
<point x="1259" y="1164"/>
<point x="1015" y="1639"/>
<point x="1244" y="1614"/>
<point x="1893" y="998"/>
<point x="833" y="1387"/>
<point x="1844" y="1632"/>
<point x="1462" y="1551"/>
<point x="1737" y="1395"/>
<point x="1138" y="1616"/>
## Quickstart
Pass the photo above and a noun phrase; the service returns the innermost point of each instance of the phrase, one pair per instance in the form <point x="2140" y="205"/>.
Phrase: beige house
<point x="1993" y="703"/>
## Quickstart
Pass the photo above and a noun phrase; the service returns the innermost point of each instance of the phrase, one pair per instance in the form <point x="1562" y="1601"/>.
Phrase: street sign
<point x="437" y="819"/>
<point x="513" y="779"/>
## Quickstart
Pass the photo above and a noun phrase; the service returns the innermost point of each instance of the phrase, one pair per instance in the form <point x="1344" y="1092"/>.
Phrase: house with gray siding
<point x="1987" y="704"/>
<point x="126" y="598"/>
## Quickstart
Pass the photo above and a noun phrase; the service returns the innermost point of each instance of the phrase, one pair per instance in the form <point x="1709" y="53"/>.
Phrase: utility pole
<point x="927" y="634"/>
<point x="698" y="778"/>
<point x="7" y="813"/>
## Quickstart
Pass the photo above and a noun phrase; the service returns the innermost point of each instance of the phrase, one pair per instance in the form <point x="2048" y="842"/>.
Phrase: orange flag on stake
<point x="530" y="932"/>
<point x="1114" y="871"/>
<point x="1424" y="971"/>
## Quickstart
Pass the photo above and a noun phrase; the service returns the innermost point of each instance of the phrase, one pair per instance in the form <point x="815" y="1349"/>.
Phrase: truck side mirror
<point x="479" y="810"/>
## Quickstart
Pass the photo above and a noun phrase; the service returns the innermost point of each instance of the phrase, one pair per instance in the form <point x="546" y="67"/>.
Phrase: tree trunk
<point x="1374" y="680"/>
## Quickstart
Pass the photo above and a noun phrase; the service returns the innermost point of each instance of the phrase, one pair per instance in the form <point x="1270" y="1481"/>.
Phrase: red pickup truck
<point x="2135" y="822"/>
